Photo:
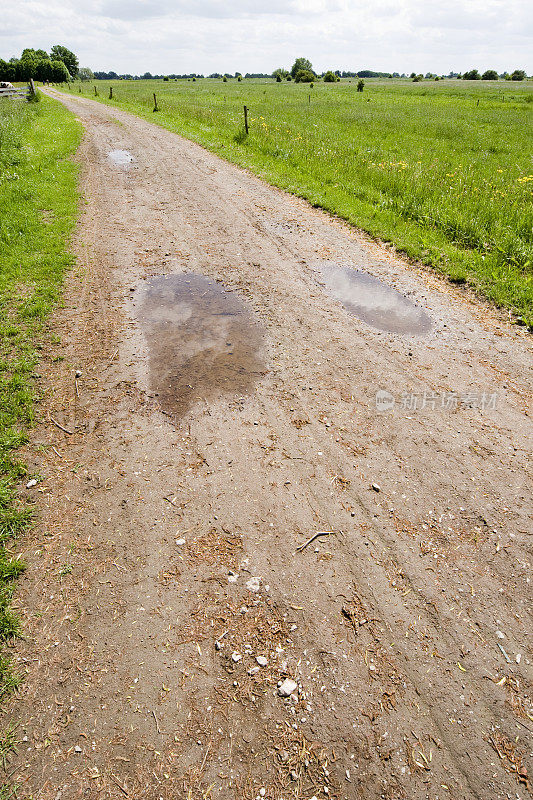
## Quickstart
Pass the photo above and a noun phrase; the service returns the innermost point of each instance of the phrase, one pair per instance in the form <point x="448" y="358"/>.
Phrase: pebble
<point x="218" y="645"/>
<point x="287" y="687"/>
<point x="78" y="749"/>
<point x="31" y="484"/>
<point x="78" y="373"/>
<point x="262" y="792"/>
<point x="253" y="584"/>
<point x="236" y="657"/>
<point x="253" y="670"/>
<point x="376" y="487"/>
<point x="179" y="542"/>
<point x="262" y="661"/>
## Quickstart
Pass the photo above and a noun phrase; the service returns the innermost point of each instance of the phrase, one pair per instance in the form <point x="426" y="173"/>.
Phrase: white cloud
<point x="257" y="36"/>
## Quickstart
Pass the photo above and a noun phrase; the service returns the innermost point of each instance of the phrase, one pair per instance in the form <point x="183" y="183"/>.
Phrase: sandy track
<point x="391" y="624"/>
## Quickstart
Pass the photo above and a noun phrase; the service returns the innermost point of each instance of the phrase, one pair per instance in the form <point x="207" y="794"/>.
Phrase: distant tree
<point x="305" y="76"/>
<point x="489" y="75"/>
<point x="301" y="65"/>
<point x="418" y="78"/>
<point x="412" y="75"/>
<point x="280" y="73"/>
<point x="471" y="75"/>
<point x="330" y="77"/>
<point x="225" y="79"/>
<point x="60" y="53"/>
<point x="85" y="74"/>
<point x="360" y="85"/>
<point x="518" y="75"/>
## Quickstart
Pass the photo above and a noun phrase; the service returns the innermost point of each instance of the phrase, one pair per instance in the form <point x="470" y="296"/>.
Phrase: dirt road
<point x="211" y="434"/>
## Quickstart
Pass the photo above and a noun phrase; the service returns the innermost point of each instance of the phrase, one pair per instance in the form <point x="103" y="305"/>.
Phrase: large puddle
<point x="373" y="301"/>
<point x="203" y="342"/>
<point x="120" y="158"/>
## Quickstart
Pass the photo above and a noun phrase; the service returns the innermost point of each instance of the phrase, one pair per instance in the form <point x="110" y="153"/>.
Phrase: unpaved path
<point x="392" y="624"/>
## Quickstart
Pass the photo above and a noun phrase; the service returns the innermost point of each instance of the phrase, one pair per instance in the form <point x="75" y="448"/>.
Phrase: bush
<point x="330" y="77"/>
<point x="472" y="75"/>
<point x="489" y="75"/>
<point x="418" y="78"/>
<point x="518" y="75"/>
<point x="305" y="76"/>
<point x="360" y="85"/>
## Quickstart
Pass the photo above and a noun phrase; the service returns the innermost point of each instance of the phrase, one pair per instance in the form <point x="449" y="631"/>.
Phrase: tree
<point x="85" y="74"/>
<point x="280" y="74"/>
<point x="60" y="53"/>
<point x="518" y="75"/>
<point x="472" y="75"/>
<point x="360" y="85"/>
<point x="418" y="78"/>
<point x="330" y="77"/>
<point x="489" y="75"/>
<point x="301" y="65"/>
<point x="59" y="72"/>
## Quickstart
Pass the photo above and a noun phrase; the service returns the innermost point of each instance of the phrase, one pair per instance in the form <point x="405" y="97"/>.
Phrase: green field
<point x="38" y="208"/>
<point x="443" y="170"/>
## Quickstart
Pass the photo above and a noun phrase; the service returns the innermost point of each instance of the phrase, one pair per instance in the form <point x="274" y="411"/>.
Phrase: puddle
<point x="203" y="342"/>
<point x="373" y="301"/>
<point x="120" y="157"/>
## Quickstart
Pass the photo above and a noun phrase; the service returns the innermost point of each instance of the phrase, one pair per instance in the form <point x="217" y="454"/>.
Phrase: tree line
<point x="57" y="66"/>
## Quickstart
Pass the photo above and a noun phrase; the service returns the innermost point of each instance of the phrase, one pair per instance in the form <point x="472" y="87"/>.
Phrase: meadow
<point x="38" y="209"/>
<point x="440" y="169"/>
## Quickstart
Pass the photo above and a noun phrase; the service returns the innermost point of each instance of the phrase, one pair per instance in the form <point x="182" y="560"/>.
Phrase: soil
<point x="172" y="547"/>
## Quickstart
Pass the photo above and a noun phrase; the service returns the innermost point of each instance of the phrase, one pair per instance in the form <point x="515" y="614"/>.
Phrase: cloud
<point x="257" y="36"/>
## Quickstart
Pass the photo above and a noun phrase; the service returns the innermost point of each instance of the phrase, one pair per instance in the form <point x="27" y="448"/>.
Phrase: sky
<point x="203" y="36"/>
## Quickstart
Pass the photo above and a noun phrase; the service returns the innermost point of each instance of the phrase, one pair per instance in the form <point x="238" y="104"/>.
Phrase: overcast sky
<point x="204" y="36"/>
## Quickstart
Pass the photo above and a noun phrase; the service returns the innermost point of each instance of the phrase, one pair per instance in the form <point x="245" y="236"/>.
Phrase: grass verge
<point x="441" y="170"/>
<point x="38" y="208"/>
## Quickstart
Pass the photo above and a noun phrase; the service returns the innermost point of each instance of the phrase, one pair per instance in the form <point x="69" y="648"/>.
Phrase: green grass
<point x="38" y="208"/>
<point x="442" y="170"/>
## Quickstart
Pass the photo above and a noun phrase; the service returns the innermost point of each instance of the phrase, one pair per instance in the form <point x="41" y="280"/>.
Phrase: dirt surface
<point x="165" y="559"/>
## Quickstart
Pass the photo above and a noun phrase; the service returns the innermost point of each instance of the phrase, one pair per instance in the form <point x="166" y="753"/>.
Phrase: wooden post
<point x="32" y="88"/>
<point x="309" y="99"/>
<point x="110" y="92"/>
<point x="246" y="119"/>
<point x="95" y="92"/>
<point x="155" y="103"/>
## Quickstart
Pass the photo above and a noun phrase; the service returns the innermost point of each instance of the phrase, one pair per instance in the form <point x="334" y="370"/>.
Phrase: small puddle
<point x="120" y="158"/>
<point x="203" y="342"/>
<point x="373" y="301"/>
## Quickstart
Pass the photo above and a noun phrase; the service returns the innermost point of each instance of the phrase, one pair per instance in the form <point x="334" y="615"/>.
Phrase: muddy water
<point x="203" y="342"/>
<point x="120" y="158"/>
<point x="373" y="301"/>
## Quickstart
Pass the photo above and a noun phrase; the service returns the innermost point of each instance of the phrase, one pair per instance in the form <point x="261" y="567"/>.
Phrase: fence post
<point x="95" y="92"/>
<point x="156" y="108"/>
<point x="110" y="92"/>
<point x="246" y="119"/>
<point x="32" y="88"/>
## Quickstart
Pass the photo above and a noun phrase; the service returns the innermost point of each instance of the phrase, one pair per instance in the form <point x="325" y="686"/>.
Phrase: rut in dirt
<point x="232" y="342"/>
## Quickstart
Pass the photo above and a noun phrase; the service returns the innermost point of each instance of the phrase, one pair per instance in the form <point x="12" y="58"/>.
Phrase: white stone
<point x="236" y="657"/>
<point x="287" y="687"/>
<point x="262" y="661"/>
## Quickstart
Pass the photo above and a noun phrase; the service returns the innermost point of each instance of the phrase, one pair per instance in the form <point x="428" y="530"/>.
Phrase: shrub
<point x="518" y="75"/>
<point x="360" y="85"/>
<point x="489" y="75"/>
<point x="472" y="75"/>
<point x="305" y="76"/>
<point x="330" y="77"/>
<point x="418" y="78"/>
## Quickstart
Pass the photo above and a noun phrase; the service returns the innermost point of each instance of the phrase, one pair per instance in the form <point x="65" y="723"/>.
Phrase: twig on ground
<point x="312" y="539"/>
<point x="61" y="426"/>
